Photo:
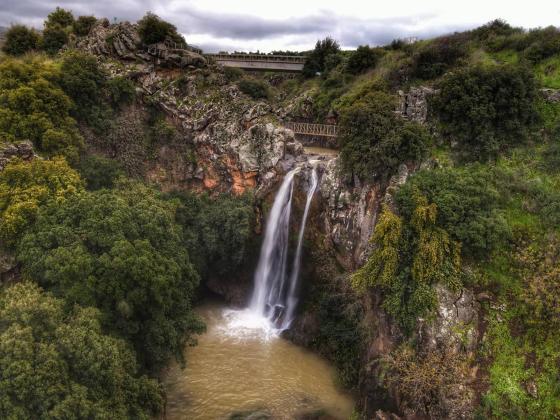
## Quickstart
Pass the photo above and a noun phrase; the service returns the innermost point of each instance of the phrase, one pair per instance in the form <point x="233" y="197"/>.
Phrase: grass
<point x="548" y="72"/>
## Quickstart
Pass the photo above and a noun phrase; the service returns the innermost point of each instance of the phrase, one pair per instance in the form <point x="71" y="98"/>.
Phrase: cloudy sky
<point x="265" y="25"/>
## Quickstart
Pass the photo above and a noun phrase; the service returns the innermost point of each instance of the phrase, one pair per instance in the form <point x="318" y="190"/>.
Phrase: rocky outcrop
<point x="413" y="105"/>
<point x="22" y="150"/>
<point x="551" y="95"/>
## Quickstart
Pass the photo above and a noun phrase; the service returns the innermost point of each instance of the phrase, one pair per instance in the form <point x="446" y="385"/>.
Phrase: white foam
<point x="247" y="324"/>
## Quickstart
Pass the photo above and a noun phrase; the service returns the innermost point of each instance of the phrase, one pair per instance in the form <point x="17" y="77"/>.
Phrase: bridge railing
<point x="259" y="57"/>
<point x="309" y="129"/>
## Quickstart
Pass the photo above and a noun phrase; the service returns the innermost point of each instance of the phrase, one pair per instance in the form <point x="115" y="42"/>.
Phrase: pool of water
<point x="240" y="365"/>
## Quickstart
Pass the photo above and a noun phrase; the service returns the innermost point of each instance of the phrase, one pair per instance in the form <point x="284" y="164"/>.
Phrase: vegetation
<point x="58" y="363"/>
<point x="153" y="29"/>
<point x="19" y="40"/>
<point x="364" y="58"/>
<point x="256" y="89"/>
<point x="315" y="62"/>
<point x="83" y="25"/>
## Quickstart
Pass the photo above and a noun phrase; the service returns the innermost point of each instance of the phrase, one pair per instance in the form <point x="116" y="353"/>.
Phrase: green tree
<point x="364" y="58"/>
<point x="99" y="172"/>
<point x="54" y="38"/>
<point x="315" y="62"/>
<point x="256" y="89"/>
<point x="153" y="29"/>
<point x="487" y="109"/>
<point x="27" y="186"/>
<point x="59" y="364"/>
<point x="120" y="251"/>
<point x="438" y="56"/>
<point x="59" y="18"/>
<point x="83" y="25"/>
<point x="33" y="107"/>
<point x="20" y="39"/>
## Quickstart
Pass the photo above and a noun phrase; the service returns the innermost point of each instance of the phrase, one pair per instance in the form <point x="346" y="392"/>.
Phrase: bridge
<point x="290" y="63"/>
<point x="314" y="130"/>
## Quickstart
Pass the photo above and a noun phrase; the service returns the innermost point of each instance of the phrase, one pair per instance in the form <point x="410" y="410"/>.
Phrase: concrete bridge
<point x="260" y="62"/>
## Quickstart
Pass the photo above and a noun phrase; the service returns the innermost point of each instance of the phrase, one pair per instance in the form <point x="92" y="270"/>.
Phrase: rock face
<point x="414" y="104"/>
<point x="121" y="41"/>
<point x="22" y="150"/>
<point x="551" y="95"/>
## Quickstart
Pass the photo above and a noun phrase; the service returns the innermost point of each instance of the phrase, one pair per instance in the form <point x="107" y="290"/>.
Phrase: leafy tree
<point x="374" y="140"/>
<point x="487" y="108"/>
<point x="152" y="29"/>
<point x="54" y="38"/>
<point x="217" y="230"/>
<point x="99" y="172"/>
<point x="19" y="39"/>
<point x="121" y="91"/>
<point x="27" y="186"/>
<point x="469" y="205"/>
<point x="33" y="108"/>
<point x="256" y="89"/>
<point x="438" y="56"/>
<point x="315" y="62"/>
<point x="59" y="364"/>
<point x="364" y="58"/>
<point x="59" y="18"/>
<point x="83" y="25"/>
<point x="120" y="251"/>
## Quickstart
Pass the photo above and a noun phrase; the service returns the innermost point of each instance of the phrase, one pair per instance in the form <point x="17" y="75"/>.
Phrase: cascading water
<point x="273" y="297"/>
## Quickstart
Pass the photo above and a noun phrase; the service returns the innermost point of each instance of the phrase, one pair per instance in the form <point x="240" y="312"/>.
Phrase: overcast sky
<point x="251" y="25"/>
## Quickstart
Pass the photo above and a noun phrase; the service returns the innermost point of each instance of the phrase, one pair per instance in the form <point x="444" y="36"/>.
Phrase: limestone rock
<point x="414" y="104"/>
<point x="551" y="95"/>
<point x="23" y="150"/>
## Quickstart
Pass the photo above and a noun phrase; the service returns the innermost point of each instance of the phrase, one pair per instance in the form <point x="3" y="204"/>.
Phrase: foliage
<point x="468" y="202"/>
<point x="364" y="58"/>
<point x="83" y="25"/>
<point x="59" y="364"/>
<point x="152" y="29"/>
<point x="374" y="141"/>
<point x="426" y="380"/>
<point x="54" y="38"/>
<point x="438" y="56"/>
<point x="256" y="89"/>
<point x="120" y="251"/>
<point x="232" y="74"/>
<point x="217" y="230"/>
<point x="27" y="186"/>
<point x="19" y="39"/>
<point x="487" y="109"/>
<point x="410" y="256"/>
<point x="121" y="91"/>
<point x="33" y="108"/>
<point x="59" y="17"/>
<point x="99" y="172"/>
<point x="315" y="62"/>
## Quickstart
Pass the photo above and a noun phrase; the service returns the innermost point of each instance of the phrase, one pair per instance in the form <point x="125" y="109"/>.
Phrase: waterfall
<point x="274" y="296"/>
<point x="292" y="295"/>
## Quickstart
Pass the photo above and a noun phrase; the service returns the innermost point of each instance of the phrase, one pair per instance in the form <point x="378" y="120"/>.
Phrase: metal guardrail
<point x="295" y="59"/>
<point x="309" y="129"/>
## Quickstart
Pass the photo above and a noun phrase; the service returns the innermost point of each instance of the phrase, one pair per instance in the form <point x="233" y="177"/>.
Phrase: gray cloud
<point x="229" y="31"/>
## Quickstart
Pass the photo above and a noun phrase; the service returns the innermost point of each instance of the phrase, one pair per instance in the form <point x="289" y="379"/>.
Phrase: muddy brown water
<point x="241" y="365"/>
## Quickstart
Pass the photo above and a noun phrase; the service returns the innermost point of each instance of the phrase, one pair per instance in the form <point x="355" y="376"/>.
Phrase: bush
<point x="121" y="91"/>
<point x="541" y="44"/>
<point x="315" y="62"/>
<point x="56" y="363"/>
<point x="256" y="89"/>
<point x="54" y="38"/>
<point x="83" y="25"/>
<point x="364" y="58"/>
<point x="153" y="29"/>
<point x="487" y="109"/>
<point x="59" y="17"/>
<point x="26" y="187"/>
<point x="120" y="251"/>
<point x="20" y="39"/>
<point x="374" y="141"/>
<point x="232" y="74"/>
<point x="438" y="56"/>
<point x="99" y="172"/>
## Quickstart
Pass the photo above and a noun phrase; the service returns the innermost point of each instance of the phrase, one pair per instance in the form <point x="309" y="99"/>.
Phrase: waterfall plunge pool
<point x="241" y="365"/>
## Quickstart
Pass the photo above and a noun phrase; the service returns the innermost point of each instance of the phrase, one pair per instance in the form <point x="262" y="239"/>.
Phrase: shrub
<point x="373" y="140"/>
<point x="20" y="39"/>
<point x="438" y="56"/>
<point x="99" y="172"/>
<point x="56" y="363"/>
<point x="315" y="62"/>
<point x="487" y="109"/>
<point x="83" y="25"/>
<point x="541" y="44"/>
<point x="120" y="251"/>
<point x="54" y="38"/>
<point x="26" y="187"/>
<point x="152" y="29"/>
<point x="364" y="58"/>
<point x="121" y="91"/>
<point x="232" y="74"/>
<point x="59" y="17"/>
<point x="256" y="89"/>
